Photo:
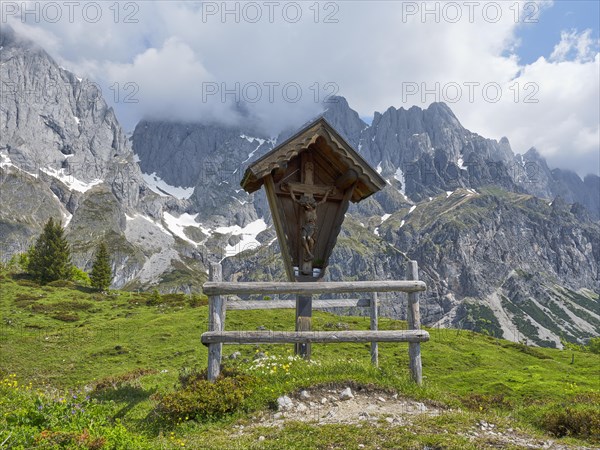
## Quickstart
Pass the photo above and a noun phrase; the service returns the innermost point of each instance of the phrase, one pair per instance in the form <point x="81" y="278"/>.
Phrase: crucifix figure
<point x="309" y="227"/>
<point x="303" y="194"/>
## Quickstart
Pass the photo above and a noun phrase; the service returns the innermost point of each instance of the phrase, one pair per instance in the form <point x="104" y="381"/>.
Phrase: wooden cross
<point x="308" y="225"/>
<point x="308" y="239"/>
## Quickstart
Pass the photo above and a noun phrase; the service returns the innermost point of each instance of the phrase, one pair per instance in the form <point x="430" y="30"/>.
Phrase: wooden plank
<point x="316" y="190"/>
<point x="414" y="323"/>
<point x="286" y="337"/>
<point x="216" y="323"/>
<point x="307" y="171"/>
<point x="374" y="325"/>
<point x="304" y="302"/>
<point x="290" y="209"/>
<point x="290" y="304"/>
<point x="279" y="226"/>
<point x="336" y="225"/>
<point x="303" y="323"/>
<point x="338" y="287"/>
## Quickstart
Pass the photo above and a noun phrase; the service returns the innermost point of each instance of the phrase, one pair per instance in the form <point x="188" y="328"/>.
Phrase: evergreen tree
<point x="50" y="256"/>
<point x="101" y="275"/>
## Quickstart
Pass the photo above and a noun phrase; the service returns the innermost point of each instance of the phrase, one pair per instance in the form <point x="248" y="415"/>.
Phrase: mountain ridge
<point x="499" y="236"/>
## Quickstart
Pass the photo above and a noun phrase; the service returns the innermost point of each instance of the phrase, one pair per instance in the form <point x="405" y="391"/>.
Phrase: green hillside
<point x="80" y="369"/>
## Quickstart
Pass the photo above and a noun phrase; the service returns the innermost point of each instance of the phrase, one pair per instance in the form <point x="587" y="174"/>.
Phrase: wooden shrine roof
<point x="321" y="136"/>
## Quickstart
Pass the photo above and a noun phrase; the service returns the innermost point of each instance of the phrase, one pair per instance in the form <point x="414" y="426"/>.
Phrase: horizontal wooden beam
<point x="285" y="304"/>
<point x="286" y="337"/>
<point x="338" y="287"/>
<point x="301" y="188"/>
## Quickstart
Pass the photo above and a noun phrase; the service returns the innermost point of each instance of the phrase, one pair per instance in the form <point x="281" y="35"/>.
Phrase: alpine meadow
<point x="279" y="225"/>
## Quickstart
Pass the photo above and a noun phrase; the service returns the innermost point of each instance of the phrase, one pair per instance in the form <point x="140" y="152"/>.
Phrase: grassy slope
<point x="112" y="335"/>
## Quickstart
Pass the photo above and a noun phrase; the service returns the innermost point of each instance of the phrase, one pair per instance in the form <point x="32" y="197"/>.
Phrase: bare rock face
<point x="427" y="152"/>
<point x="64" y="155"/>
<point x="56" y="123"/>
<point x="27" y="204"/>
<point x="208" y="160"/>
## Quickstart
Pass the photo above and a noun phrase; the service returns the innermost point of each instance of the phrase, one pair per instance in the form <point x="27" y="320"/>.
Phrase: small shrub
<point x="27" y="283"/>
<point x="198" y="399"/>
<point x="62" y="283"/>
<point x="80" y="277"/>
<point x="154" y="299"/>
<point x="594" y="345"/>
<point x="197" y="300"/>
<point x="21" y="297"/>
<point x="69" y="439"/>
<point x="188" y="375"/>
<point x="174" y="299"/>
<point x="18" y="263"/>
<point x="41" y="308"/>
<point x="582" y="422"/>
<point x="531" y="351"/>
<point x="24" y="300"/>
<point x="66" y="317"/>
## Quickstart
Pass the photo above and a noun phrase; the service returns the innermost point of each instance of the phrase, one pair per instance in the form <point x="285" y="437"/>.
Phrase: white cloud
<point x="575" y="46"/>
<point x="372" y="55"/>
<point x="168" y="81"/>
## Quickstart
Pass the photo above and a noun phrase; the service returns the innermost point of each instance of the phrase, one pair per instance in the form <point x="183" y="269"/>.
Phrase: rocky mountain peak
<point x="344" y="119"/>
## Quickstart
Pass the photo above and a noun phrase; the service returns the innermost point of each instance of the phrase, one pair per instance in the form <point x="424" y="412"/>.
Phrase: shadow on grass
<point x="129" y="396"/>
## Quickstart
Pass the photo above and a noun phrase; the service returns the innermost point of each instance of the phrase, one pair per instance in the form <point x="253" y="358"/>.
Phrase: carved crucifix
<point x="309" y="205"/>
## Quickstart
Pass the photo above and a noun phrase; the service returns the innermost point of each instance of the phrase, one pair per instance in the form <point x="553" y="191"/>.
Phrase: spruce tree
<point x="50" y="256"/>
<point x="101" y="275"/>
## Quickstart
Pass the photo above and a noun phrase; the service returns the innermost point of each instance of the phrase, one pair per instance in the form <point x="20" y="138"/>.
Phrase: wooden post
<point x="216" y="322"/>
<point x="303" y="322"/>
<point x="374" y="326"/>
<point x="280" y="228"/>
<point x="414" y="323"/>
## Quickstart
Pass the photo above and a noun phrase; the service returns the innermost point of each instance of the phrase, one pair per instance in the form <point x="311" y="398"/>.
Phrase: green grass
<point x="125" y="354"/>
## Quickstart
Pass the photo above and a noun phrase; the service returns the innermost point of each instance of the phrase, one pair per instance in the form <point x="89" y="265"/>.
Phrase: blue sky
<point x="539" y="38"/>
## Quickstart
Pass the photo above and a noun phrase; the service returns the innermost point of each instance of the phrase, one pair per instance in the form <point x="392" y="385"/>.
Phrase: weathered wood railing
<point x="216" y="290"/>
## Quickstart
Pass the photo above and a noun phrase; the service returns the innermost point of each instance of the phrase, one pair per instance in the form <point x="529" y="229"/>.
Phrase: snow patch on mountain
<point x="399" y="176"/>
<point x="251" y="154"/>
<point x="6" y="162"/>
<point x="148" y="219"/>
<point x="248" y="234"/>
<point x="71" y="182"/>
<point x="252" y="139"/>
<point x="164" y="189"/>
<point x="176" y="225"/>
